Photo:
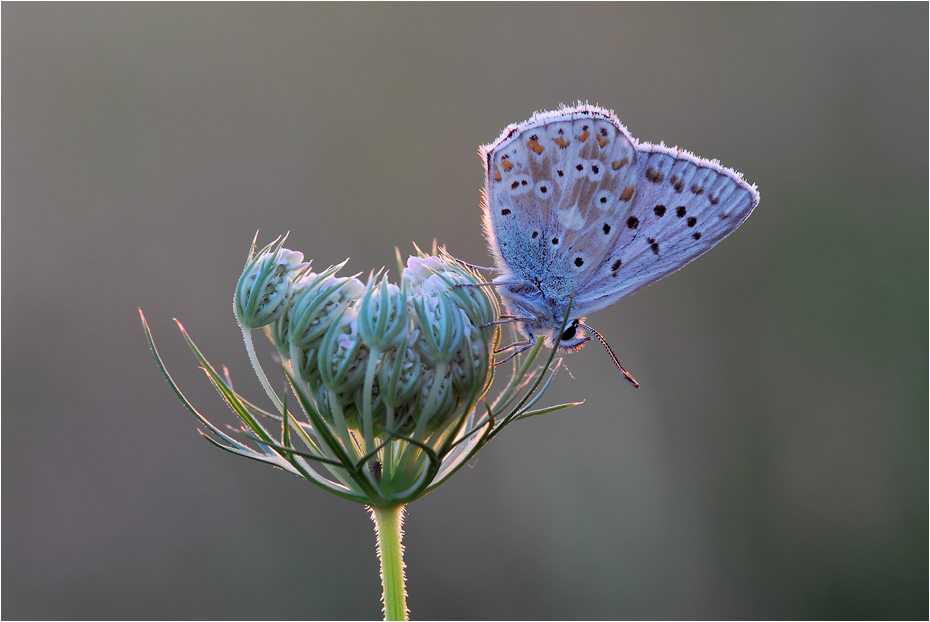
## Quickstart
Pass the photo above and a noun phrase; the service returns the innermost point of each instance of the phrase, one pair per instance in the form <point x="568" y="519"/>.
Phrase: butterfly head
<point x="571" y="339"/>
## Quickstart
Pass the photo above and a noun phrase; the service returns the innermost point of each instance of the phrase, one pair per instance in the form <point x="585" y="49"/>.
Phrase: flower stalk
<point x="389" y="527"/>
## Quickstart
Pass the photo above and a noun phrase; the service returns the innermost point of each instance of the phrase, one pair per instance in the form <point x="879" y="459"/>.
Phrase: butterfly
<point x="576" y="209"/>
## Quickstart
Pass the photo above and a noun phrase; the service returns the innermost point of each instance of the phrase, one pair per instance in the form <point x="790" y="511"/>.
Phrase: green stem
<point x="367" y="426"/>
<point x="389" y="523"/>
<point x="250" y="348"/>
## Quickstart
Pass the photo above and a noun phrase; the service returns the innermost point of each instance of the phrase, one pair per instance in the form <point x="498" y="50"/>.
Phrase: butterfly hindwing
<point x="684" y="205"/>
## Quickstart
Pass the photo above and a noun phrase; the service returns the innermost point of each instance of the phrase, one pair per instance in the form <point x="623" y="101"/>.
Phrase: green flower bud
<point x="399" y="372"/>
<point x="342" y="354"/>
<point x="432" y="274"/>
<point x="317" y="302"/>
<point x="438" y="399"/>
<point x="383" y="321"/>
<point x="440" y="325"/>
<point x="263" y="289"/>
<point x="471" y="369"/>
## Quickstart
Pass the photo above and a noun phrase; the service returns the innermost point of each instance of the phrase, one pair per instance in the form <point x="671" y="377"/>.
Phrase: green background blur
<point x="774" y="464"/>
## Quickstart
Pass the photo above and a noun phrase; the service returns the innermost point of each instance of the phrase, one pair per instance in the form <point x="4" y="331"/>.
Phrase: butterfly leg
<point x="524" y="345"/>
<point x="487" y="284"/>
<point x="509" y="319"/>
<point x="515" y="344"/>
<point x="521" y="346"/>
<point x="474" y="267"/>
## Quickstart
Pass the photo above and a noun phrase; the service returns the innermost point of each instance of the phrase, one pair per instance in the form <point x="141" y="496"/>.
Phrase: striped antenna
<point x="613" y="357"/>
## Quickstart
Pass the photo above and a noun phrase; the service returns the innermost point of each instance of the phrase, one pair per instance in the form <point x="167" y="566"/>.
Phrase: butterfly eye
<point x="571" y="339"/>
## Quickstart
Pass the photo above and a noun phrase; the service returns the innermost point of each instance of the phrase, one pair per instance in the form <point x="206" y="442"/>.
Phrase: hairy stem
<point x="250" y="348"/>
<point x="389" y="523"/>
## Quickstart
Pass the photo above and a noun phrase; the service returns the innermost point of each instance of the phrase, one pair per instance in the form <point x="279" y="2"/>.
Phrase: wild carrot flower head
<point x="389" y="379"/>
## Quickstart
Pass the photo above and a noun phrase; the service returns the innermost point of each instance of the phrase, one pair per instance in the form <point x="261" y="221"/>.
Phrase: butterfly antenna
<point x="613" y="357"/>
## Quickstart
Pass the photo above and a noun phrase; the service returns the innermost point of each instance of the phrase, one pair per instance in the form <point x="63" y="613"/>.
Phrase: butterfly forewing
<point x="557" y="187"/>
<point x="684" y="205"/>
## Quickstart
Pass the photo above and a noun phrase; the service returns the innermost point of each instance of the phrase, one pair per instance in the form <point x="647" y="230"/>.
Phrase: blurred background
<point x="774" y="464"/>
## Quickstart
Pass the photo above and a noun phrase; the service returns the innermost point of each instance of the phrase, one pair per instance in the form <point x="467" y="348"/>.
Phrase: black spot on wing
<point x="615" y="267"/>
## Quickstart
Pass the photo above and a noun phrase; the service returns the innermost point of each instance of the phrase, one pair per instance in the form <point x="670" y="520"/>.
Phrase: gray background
<point x="774" y="464"/>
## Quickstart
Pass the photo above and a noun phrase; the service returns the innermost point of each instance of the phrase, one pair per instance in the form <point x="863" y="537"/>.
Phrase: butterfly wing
<point x="557" y="187"/>
<point x="683" y="206"/>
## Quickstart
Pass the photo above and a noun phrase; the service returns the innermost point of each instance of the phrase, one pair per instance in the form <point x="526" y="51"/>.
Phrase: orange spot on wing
<point x="506" y="165"/>
<point x="497" y="174"/>
<point x="584" y="136"/>
<point x="627" y="193"/>
<point x="561" y="142"/>
<point x="602" y="141"/>
<point x="618" y="164"/>
<point x="535" y="146"/>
